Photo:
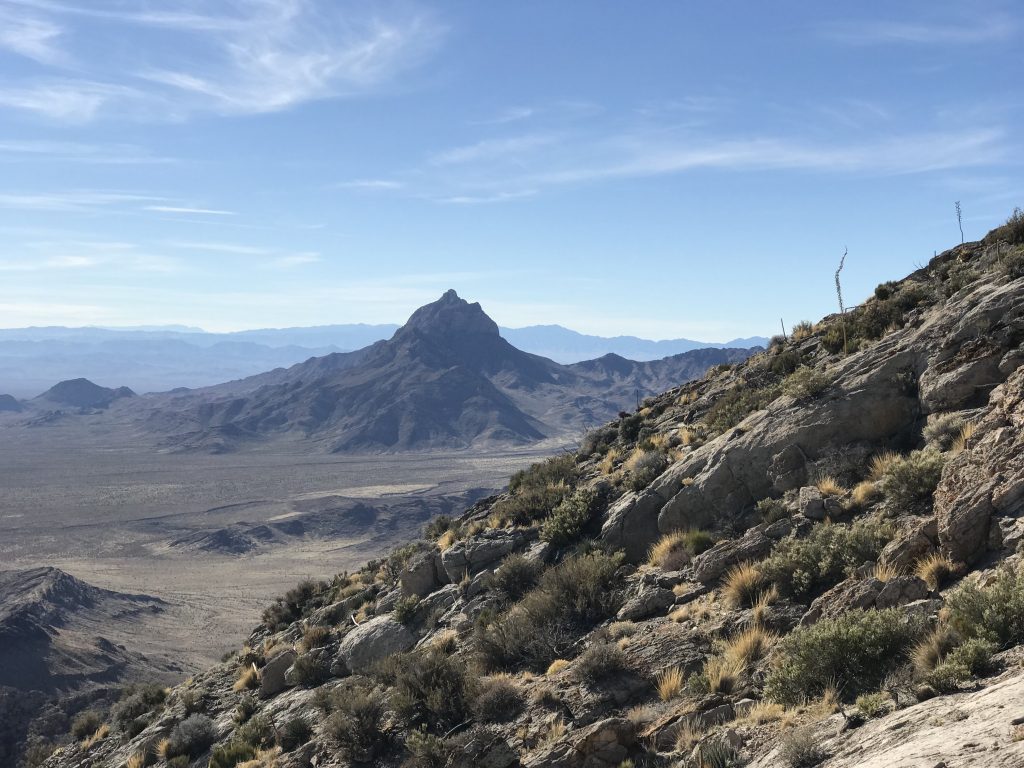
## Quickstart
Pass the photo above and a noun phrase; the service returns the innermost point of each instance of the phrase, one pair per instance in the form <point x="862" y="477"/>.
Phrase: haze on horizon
<point x="280" y="163"/>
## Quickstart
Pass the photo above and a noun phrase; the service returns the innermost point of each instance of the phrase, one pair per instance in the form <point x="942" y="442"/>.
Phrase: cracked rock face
<point x="986" y="480"/>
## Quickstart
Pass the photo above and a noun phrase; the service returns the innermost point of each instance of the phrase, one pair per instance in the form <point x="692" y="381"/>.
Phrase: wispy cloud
<point x="189" y="210"/>
<point x="232" y="248"/>
<point x="32" y="37"/>
<point x="56" y="256"/>
<point x="369" y="184"/>
<point x="296" y="260"/>
<point x="255" y="56"/>
<point x="65" y="151"/>
<point x="491" y="149"/>
<point x="497" y="197"/>
<point x="509" y="115"/>
<point x="971" y="30"/>
<point x="83" y="200"/>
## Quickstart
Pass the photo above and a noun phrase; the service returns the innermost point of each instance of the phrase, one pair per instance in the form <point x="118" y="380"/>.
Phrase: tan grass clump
<point x="881" y="463"/>
<point x="688" y="736"/>
<point x="964" y="437"/>
<point x="98" y="735"/>
<point x="248" y="677"/>
<point x="315" y="637"/>
<point x="747" y="647"/>
<point x="446" y="540"/>
<point x="721" y="674"/>
<point x="829" y="486"/>
<point x="743" y="585"/>
<point x="607" y="465"/>
<point x="556" y="666"/>
<point x="138" y="760"/>
<point x="764" y="712"/>
<point x="670" y="683"/>
<point x="163" y="748"/>
<point x="864" y="493"/>
<point x="884" y="571"/>
<point x="931" y="650"/>
<point x="759" y="611"/>
<point x="446" y="641"/>
<point x="934" y="569"/>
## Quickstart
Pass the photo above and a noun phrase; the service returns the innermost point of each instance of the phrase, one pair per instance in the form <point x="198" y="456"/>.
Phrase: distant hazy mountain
<point x="446" y="379"/>
<point x="82" y="393"/>
<point x="155" y="359"/>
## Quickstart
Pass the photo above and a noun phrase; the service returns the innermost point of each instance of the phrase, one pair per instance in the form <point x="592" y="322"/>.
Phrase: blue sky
<point x="692" y="170"/>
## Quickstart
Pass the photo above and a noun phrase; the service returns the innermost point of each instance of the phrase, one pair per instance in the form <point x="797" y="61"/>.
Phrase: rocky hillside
<point x="82" y="393"/>
<point x="446" y="379"/>
<point x="810" y="558"/>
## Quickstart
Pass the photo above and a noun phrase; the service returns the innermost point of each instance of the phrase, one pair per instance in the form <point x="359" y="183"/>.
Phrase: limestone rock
<point x="272" y="676"/>
<point x="711" y="564"/>
<point x="419" y="577"/>
<point x="372" y="641"/>
<point x="488" y="547"/>
<point x="647" y="601"/>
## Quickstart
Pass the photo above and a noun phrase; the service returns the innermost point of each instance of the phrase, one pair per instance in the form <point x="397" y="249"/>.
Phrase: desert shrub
<point x="569" y="518"/>
<point x="716" y="752"/>
<point x="643" y="467"/>
<point x="597" y="440"/>
<point x="257" y="731"/>
<point x="852" y="652"/>
<point x="247" y="707"/>
<point x="913" y="477"/>
<point x="803" y="567"/>
<point x="528" y="504"/>
<point x="750" y="645"/>
<point x="558" y="470"/>
<point x="873" y="704"/>
<point x="426" y="750"/>
<point x="85" y="724"/>
<point x="802" y="330"/>
<point x="498" y="700"/>
<point x="191" y="737"/>
<point x="430" y="688"/>
<point x="233" y="753"/>
<point x="295" y="602"/>
<point x="599" y="662"/>
<point x="670" y="683"/>
<point x="806" y="382"/>
<point x="295" y="732"/>
<point x="993" y="612"/>
<point x="571" y="596"/>
<point x="629" y="427"/>
<point x="517" y="575"/>
<point x="934" y="569"/>
<point x="785" y="362"/>
<point x="772" y="510"/>
<point x="133" y="712"/>
<point x="973" y="657"/>
<point x="36" y="754"/>
<point x="1012" y="231"/>
<point x="737" y="403"/>
<point x="800" y="749"/>
<point x="885" y="291"/>
<point x="309" y="670"/>
<point x="405" y="609"/>
<point x="439" y="526"/>
<point x="675" y="549"/>
<point x="943" y="430"/>
<point x="357" y="725"/>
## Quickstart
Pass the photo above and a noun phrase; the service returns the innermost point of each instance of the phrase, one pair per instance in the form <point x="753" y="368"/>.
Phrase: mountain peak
<point x="451" y="316"/>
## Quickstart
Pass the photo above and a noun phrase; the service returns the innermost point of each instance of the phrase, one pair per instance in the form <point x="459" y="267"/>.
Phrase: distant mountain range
<point x="446" y="379"/>
<point x="155" y="359"/>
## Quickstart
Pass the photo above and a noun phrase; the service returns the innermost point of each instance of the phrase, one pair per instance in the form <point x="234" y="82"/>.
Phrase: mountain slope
<point x="445" y="379"/>
<point x="810" y="558"/>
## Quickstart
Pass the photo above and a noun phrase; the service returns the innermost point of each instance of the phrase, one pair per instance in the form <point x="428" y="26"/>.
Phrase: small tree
<point x="960" y="222"/>
<point x="839" y="294"/>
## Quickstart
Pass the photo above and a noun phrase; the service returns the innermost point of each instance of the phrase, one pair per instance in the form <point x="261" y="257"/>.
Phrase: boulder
<point x="901" y="590"/>
<point x="472" y="555"/>
<point x="912" y="544"/>
<point x="372" y="641"/>
<point x="812" y="505"/>
<point x="647" y="601"/>
<point x="419" y="577"/>
<point x="631" y="523"/>
<point x="272" y="676"/>
<point x="710" y="565"/>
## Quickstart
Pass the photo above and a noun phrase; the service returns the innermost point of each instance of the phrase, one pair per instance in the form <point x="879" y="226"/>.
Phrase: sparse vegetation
<point x="670" y="683"/>
<point x="853" y="652"/>
<point x="993" y="612"/>
<point x="517" y="575"/>
<point x="744" y="584"/>
<point x="569" y="518"/>
<point x="599" y="662"/>
<point x="498" y="700"/>
<point x="191" y="737"/>
<point x="934" y="569"/>
<point x="357" y="725"/>
<point x="643" y="467"/>
<point x="804" y="567"/>
<point x="800" y="749"/>
<point x="676" y="549"/>
<point x="806" y="382"/>
<point x="913" y="478"/>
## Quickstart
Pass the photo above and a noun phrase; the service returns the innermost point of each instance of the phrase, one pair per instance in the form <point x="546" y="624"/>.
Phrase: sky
<point x="689" y="170"/>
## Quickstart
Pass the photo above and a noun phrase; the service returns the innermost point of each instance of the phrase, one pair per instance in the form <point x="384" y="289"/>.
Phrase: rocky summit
<point x="811" y="557"/>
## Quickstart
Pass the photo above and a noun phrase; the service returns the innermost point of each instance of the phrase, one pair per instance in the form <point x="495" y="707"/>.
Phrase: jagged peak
<point x="452" y="315"/>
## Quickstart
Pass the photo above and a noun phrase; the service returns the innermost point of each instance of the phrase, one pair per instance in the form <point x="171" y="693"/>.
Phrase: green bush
<point x="295" y="732"/>
<point x="357" y="725"/>
<point x="309" y="670"/>
<point x="629" y="428"/>
<point x="806" y="382"/>
<point x="873" y="704"/>
<point x="430" y="688"/>
<point x="439" y="526"/>
<point x="498" y="700"/>
<point x="644" y="468"/>
<point x="570" y="597"/>
<point x="529" y="504"/>
<point x="994" y="612"/>
<point x="231" y="754"/>
<point x="599" y="662"/>
<point x="830" y="552"/>
<point x="85" y="724"/>
<point x="800" y="749"/>
<point x="135" y="708"/>
<point x="786" y="361"/>
<point x="247" y="707"/>
<point x="191" y="737"/>
<point x="772" y="510"/>
<point x="943" y="430"/>
<point x="295" y="604"/>
<point x="971" y="658"/>
<point x="569" y="518"/>
<point x="853" y="653"/>
<point x="557" y="470"/>
<point x="405" y="609"/>
<point x="597" y="441"/>
<point x="1012" y="231"/>
<point x="914" y="477"/>
<point x="738" y="402"/>
<point x="516" y="576"/>
<point x="426" y="750"/>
